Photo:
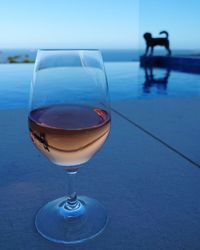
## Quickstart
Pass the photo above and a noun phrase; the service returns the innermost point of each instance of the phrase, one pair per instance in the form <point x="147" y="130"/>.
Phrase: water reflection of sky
<point x="126" y="81"/>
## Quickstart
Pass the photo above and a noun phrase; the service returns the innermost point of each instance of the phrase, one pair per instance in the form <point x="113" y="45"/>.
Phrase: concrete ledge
<point x="181" y="63"/>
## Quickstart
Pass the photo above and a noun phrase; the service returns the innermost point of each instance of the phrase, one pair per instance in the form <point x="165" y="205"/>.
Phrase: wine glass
<point x="69" y="121"/>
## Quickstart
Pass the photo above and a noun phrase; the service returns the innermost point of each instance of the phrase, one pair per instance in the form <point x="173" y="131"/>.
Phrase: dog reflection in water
<point x="151" y="81"/>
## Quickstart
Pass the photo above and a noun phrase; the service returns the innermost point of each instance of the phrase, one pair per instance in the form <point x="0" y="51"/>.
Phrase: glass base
<point x="59" y="224"/>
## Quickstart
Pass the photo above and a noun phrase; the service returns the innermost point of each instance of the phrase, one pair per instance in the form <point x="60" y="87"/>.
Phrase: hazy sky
<point x="69" y="23"/>
<point x="181" y="18"/>
<point x="97" y="23"/>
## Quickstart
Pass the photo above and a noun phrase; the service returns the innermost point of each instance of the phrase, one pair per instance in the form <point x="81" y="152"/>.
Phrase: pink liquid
<point x="69" y="135"/>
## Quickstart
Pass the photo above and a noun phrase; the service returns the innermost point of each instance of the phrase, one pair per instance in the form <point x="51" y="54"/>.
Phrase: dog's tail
<point x="164" y="32"/>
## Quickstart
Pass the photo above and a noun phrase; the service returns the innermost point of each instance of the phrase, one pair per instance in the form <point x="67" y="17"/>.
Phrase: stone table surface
<point x="146" y="175"/>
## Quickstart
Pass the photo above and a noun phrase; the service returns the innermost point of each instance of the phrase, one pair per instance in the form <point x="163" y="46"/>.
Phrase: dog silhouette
<point x="160" y="41"/>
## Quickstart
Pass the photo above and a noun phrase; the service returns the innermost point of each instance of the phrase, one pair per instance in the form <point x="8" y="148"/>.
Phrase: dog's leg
<point x="168" y="49"/>
<point x="146" y="51"/>
<point x="152" y="47"/>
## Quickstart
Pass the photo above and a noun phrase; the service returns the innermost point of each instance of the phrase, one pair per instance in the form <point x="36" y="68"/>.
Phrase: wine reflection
<point x="151" y="81"/>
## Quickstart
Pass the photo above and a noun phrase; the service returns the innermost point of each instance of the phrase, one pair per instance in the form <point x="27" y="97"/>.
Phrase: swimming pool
<point x="126" y="80"/>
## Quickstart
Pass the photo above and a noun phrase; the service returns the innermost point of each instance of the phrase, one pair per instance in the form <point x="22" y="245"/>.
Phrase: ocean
<point x="19" y="55"/>
<point x="109" y="55"/>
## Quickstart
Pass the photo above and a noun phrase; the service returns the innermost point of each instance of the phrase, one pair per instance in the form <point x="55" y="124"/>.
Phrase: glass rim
<point x="80" y="49"/>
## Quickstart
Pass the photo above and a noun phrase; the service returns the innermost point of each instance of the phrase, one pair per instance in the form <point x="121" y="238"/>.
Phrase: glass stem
<point x="72" y="202"/>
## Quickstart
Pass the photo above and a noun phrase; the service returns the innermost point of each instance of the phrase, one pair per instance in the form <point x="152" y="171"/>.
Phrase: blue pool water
<point x="126" y="80"/>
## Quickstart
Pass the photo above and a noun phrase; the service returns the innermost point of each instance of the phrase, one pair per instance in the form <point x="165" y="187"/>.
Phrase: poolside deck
<point x="147" y="176"/>
<point x="190" y="64"/>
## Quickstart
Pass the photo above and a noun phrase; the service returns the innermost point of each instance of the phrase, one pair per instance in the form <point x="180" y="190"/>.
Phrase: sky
<point x="97" y="23"/>
<point x="181" y="18"/>
<point x="69" y="23"/>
